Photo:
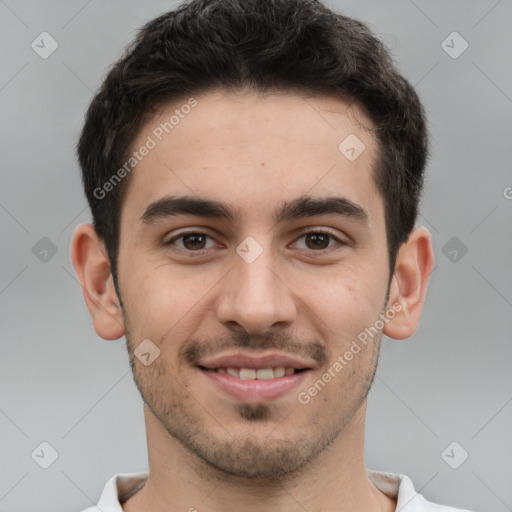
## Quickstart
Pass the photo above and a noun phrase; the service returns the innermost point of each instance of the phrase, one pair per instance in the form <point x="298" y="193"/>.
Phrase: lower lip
<point x="255" y="390"/>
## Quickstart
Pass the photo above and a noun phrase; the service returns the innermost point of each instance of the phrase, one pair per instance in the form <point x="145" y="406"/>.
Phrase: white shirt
<point x="121" y="486"/>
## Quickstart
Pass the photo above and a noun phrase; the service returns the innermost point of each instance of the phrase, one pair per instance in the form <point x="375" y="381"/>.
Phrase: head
<point x="287" y="242"/>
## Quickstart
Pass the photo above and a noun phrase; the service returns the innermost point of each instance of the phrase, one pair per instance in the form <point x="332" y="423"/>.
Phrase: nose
<point x="254" y="298"/>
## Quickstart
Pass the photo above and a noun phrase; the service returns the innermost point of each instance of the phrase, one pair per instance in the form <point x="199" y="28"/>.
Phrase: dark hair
<point x="261" y="45"/>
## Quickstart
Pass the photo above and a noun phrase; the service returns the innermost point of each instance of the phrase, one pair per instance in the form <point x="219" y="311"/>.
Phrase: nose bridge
<point x="254" y="296"/>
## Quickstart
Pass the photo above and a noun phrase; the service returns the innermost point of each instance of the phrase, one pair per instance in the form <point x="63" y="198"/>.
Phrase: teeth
<point x="263" y="373"/>
<point x="280" y="372"/>
<point x="247" y="374"/>
<point x="260" y="374"/>
<point x="232" y="371"/>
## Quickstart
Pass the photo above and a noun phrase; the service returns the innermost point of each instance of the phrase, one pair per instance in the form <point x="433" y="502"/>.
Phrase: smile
<point x="252" y="374"/>
<point x="254" y="385"/>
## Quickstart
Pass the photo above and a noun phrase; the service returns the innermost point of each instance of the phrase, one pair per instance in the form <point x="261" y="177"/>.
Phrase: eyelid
<point x="318" y="229"/>
<point x="189" y="231"/>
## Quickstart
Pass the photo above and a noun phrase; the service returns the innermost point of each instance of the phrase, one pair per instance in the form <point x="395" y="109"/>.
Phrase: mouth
<point x="255" y="373"/>
<point x="254" y="380"/>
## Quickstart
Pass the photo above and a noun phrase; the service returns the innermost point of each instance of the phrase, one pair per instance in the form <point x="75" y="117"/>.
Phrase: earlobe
<point x="92" y="266"/>
<point x="414" y="264"/>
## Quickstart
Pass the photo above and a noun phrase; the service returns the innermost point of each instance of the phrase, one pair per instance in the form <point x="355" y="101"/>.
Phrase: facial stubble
<point x="280" y="454"/>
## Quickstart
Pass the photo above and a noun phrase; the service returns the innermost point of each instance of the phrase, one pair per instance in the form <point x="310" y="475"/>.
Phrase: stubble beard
<point x="244" y="457"/>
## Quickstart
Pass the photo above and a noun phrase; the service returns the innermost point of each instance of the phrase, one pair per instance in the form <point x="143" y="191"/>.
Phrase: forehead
<point x="254" y="149"/>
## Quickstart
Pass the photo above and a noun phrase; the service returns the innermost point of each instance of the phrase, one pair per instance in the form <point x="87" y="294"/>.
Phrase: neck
<point x="336" y="480"/>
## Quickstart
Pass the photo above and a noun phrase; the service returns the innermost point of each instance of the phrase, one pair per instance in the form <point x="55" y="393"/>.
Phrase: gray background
<point x="63" y="384"/>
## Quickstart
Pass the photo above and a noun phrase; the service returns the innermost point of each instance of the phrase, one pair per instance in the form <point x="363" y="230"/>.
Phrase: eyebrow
<point x="304" y="206"/>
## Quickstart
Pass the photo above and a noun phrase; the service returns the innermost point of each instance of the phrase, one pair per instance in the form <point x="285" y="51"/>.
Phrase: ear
<point x="92" y="266"/>
<point x="414" y="264"/>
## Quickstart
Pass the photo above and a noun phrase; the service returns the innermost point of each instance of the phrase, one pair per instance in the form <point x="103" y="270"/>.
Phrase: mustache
<point x="196" y="350"/>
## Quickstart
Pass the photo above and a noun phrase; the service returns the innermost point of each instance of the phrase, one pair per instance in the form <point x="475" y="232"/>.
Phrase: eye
<point x="191" y="241"/>
<point x="195" y="241"/>
<point x="319" y="240"/>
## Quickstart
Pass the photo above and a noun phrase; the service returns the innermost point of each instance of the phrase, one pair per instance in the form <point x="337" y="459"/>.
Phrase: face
<point x="250" y="245"/>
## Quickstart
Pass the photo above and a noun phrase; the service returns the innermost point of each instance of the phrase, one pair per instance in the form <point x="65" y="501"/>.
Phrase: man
<point x="254" y="168"/>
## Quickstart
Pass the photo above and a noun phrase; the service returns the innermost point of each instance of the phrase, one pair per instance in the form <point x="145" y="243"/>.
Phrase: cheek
<point x="344" y="304"/>
<point x="154" y="299"/>
<point x="165" y="304"/>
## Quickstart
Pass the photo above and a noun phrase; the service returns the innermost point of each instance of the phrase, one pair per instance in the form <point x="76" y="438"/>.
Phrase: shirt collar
<point x="121" y="486"/>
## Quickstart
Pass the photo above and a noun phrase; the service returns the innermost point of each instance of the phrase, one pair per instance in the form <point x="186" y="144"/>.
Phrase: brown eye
<point x="317" y="241"/>
<point x="194" y="241"/>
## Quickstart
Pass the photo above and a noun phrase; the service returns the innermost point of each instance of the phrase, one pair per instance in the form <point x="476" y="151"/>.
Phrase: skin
<point x="303" y="295"/>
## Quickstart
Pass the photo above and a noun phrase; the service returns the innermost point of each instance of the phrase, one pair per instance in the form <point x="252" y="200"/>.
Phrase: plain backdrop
<point x="451" y="382"/>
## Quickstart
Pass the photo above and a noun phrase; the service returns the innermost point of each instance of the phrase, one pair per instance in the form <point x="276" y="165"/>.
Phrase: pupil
<point x="319" y="237"/>
<point x="196" y="241"/>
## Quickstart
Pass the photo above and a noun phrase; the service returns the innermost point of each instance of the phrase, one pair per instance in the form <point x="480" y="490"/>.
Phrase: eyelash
<point x="201" y="251"/>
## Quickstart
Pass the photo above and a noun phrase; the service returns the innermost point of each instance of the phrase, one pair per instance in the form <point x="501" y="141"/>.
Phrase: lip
<point x="245" y="360"/>
<point x="254" y="391"/>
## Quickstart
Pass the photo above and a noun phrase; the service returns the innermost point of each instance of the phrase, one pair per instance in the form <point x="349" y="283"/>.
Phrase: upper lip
<point x="245" y="360"/>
